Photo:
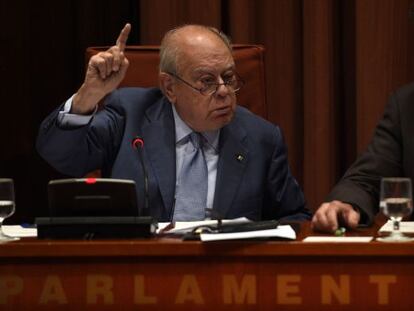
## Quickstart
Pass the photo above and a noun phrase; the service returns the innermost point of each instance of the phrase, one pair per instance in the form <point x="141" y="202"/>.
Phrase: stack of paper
<point x="338" y="239"/>
<point x="183" y="227"/>
<point x="405" y="226"/>
<point x="284" y="232"/>
<point x="17" y="231"/>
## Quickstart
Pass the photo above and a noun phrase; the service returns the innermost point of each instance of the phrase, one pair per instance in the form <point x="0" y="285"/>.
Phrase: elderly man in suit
<point x="241" y="168"/>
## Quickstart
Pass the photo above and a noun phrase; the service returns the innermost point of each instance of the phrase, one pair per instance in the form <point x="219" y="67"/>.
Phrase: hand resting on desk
<point x="330" y="214"/>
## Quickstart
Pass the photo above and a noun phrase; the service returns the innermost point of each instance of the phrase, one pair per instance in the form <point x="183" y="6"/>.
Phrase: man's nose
<point x="222" y="88"/>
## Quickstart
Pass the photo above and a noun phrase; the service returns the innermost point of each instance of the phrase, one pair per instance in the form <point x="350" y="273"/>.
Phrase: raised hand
<point x="104" y="73"/>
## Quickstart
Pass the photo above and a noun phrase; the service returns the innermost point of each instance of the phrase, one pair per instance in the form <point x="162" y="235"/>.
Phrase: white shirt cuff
<point x="70" y="119"/>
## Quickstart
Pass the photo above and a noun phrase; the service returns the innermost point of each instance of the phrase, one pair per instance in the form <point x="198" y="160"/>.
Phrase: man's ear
<point x="167" y="86"/>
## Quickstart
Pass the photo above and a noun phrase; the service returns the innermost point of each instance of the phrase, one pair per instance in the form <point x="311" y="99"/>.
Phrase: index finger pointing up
<point x="123" y="37"/>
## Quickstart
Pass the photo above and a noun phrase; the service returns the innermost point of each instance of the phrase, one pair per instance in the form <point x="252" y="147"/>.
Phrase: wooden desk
<point x="165" y="274"/>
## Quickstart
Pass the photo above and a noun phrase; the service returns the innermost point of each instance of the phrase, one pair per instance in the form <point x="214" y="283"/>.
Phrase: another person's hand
<point x="104" y="73"/>
<point x="329" y="214"/>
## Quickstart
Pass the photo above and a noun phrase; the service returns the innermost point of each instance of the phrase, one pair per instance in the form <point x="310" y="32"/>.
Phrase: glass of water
<point x="396" y="203"/>
<point x="7" y="204"/>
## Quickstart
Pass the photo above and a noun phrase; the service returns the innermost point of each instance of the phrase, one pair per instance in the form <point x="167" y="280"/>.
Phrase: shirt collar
<point x="182" y="130"/>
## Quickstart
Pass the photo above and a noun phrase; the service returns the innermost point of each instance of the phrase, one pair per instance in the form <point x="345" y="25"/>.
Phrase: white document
<point x="283" y="231"/>
<point x="339" y="239"/>
<point x="182" y="227"/>
<point x="405" y="226"/>
<point x="17" y="231"/>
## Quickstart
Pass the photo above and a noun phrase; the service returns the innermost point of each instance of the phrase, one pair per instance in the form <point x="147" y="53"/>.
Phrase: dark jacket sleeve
<point x="76" y="151"/>
<point x="382" y="158"/>
<point x="283" y="188"/>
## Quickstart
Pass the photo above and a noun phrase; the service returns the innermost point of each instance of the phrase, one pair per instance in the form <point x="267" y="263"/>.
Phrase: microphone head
<point x="137" y="142"/>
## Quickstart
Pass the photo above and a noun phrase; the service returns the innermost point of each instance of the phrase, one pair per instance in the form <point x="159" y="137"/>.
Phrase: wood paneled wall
<point x="330" y="66"/>
<point x="384" y="58"/>
<point x="320" y="98"/>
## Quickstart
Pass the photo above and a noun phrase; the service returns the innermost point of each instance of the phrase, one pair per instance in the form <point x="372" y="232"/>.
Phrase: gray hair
<point x="169" y="50"/>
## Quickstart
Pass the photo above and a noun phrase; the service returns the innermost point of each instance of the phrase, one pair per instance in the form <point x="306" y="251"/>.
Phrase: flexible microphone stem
<point x="138" y="144"/>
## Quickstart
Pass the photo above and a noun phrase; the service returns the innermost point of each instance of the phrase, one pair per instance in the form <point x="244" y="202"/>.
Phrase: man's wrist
<point x="85" y="101"/>
<point x="67" y="119"/>
<point x="363" y="217"/>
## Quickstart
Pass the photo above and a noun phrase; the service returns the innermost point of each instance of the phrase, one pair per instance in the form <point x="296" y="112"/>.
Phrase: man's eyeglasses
<point x="234" y="83"/>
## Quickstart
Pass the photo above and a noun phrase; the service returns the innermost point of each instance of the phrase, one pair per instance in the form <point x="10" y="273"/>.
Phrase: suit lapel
<point x="159" y="137"/>
<point x="233" y="159"/>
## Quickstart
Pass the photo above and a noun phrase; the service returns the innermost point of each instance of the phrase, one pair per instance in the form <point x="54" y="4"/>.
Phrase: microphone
<point x="138" y="144"/>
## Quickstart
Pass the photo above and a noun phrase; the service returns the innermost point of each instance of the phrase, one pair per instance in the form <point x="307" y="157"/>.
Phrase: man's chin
<point x="221" y="120"/>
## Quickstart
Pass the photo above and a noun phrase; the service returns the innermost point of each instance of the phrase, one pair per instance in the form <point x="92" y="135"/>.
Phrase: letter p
<point x="10" y="285"/>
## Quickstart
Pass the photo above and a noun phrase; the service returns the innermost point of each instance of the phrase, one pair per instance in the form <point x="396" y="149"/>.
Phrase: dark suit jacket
<point x="390" y="154"/>
<point x="259" y="186"/>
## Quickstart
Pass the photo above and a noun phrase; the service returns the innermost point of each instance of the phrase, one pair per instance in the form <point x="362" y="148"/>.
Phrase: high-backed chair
<point x="143" y="72"/>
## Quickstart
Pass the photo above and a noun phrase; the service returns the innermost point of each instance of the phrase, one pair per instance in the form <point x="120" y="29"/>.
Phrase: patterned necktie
<point x="191" y="194"/>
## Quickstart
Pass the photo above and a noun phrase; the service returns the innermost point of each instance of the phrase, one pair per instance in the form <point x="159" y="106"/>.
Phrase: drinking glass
<point x="7" y="204"/>
<point x="396" y="203"/>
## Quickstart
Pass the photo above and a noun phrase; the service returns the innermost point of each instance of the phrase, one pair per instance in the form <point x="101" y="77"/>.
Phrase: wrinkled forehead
<point x="197" y="35"/>
<point x="202" y="49"/>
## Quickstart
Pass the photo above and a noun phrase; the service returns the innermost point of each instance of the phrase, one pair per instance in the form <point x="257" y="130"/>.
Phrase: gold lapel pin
<point x="240" y="157"/>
